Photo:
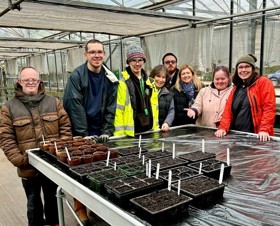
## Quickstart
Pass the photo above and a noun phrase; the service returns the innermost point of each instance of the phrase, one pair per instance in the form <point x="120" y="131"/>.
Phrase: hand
<point x="220" y="133"/>
<point x="165" y="127"/>
<point x="103" y="138"/>
<point x="190" y="112"/>
<point x="263" y="136"/>
<point x="88" y="137"/>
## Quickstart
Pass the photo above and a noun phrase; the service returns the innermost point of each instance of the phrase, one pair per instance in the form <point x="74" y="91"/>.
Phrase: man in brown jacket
<point x="27" y="117"/>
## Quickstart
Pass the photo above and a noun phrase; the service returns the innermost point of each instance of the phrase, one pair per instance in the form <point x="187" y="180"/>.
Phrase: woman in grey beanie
<point x="251" y="106"/>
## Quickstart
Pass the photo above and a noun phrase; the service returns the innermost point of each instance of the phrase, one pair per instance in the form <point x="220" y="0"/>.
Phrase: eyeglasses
<point x="140" y="61"/>
<point x="96" y="53"/>
<point x="170" y="62"/>
<point x="247" y="67"/>
<point x="30" y="80"/>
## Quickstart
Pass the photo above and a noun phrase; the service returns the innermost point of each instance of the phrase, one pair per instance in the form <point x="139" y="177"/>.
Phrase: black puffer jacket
<point x="180" y="102"/>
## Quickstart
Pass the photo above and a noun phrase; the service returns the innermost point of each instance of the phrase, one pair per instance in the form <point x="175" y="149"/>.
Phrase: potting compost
<point x="250" y="188"/>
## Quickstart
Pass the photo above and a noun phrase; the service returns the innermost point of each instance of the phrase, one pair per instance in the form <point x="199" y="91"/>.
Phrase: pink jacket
<point x="210" y="104"/>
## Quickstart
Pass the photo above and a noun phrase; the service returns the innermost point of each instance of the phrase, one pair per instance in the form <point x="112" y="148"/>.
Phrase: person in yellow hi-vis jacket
<point x="137" y="100"/>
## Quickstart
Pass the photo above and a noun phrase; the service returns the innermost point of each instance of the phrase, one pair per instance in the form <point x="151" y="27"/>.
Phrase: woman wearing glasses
<point x="185" y="91"/>
<point x="251" y="106"/>
<point x="210" y="102"/>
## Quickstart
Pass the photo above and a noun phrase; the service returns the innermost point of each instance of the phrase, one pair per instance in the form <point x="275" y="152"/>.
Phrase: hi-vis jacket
<point x="124" y="118"/>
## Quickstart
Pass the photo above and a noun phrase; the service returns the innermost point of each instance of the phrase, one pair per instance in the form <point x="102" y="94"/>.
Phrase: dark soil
<point x="97" y="179"/>
<point x="199" y="185"/>
<point x="133" y="168"/>
<point x="130" y="150"/>
<point x="125" y="159"/>
<point x="133" y="184"/>
<point x="197" y="156"/>
<point x="168" y="162"/>
<point x="160" y="200"/>
<point x="181" y="172"/>
<point x="212" y="167"/>
<point x="205" y="191"/>
<point x="209" y="165"/>
<point x="157" y="154"/>
<point x="80" y="172"/>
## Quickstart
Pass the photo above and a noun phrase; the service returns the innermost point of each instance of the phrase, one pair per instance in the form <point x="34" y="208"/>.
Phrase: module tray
<point x="132" y="150"/>
<point x="123" y="189"/>
<point x="133" y="168"/>
<point x="205" y="191"/>
<point x="178" y="173"/>
<point x="160" y="207"/>
<point x="168" y="162"/>
<point x="197" y="156"/>
<point x="96" y="180"/>
<point x="212" y="168"/>
<point x="80" y="172"/>
<point x="125" y="160"/>
<point x="157" y="154"/>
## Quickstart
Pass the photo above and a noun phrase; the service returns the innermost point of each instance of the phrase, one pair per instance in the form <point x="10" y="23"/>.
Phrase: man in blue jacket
<point x="90" y="101"/>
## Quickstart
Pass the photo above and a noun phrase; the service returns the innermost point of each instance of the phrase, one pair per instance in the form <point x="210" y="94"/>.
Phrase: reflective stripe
<point x="129" y="128"/>
<point x="127" y="99"/>
<point x="119" y="128"/>
<point x="121" y="107"/>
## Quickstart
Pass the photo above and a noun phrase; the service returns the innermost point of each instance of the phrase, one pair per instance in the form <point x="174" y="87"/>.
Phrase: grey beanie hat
<point x="135" y="51"/>
<point x="248" y="58"/>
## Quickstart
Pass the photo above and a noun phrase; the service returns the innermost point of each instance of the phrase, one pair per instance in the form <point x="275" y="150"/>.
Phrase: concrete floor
<point x="13" y="200"/>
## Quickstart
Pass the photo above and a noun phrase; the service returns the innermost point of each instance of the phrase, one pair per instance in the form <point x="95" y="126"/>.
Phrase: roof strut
<point x="12" y="6"/>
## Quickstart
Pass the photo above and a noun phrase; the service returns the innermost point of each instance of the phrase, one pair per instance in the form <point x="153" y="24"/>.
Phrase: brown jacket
<point x="24" y="120"/>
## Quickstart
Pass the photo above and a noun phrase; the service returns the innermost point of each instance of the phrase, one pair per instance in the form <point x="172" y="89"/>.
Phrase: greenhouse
<point x="201" y="33"/>
<point x="99" y="143"/>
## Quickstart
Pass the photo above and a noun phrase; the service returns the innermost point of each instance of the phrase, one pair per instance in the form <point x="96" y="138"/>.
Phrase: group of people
<point x="97" y="103"/>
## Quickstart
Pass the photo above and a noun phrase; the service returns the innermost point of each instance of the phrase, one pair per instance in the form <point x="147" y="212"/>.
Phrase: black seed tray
<point x="178" y="173"/>
<point x="80" y="172"/>
<point x="211" y="168"/>
<point x="64" y="167"/>
<point x="125" y="160"/>
<point x="123" y="189"/>
<point x="168" y="162"/>
<point x="96" y="180"/>
<point x="133" y="168"/>
<point x="157" y="154"/>
<point x="133" y="150"/>
<point x="162" y="206"/>
<point x="205" y="191"/>
<point x="197" y="156"/>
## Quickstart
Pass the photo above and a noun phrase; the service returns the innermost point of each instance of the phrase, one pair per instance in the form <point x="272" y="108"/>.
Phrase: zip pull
<point x="146" y="111"/>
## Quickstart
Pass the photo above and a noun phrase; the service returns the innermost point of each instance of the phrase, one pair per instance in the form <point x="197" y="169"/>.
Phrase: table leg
<point x="60" y="195"/>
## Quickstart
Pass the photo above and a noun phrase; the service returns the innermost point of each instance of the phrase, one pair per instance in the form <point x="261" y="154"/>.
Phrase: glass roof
<point x="204" y="8"/>
<point x="207" y="9"/>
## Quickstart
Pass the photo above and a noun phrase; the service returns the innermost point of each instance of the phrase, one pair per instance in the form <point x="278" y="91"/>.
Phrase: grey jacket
<point x="166" y="107"/>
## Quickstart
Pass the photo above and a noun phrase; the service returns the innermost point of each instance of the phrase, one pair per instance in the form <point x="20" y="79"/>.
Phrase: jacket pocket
<point x="51" y="125"/>
<point x="24" y="129"/>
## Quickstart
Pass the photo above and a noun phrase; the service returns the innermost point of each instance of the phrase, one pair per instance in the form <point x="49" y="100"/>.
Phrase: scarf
<point x="188" y="89"/>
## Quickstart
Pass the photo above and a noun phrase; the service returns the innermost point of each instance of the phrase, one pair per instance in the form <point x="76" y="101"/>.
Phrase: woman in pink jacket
<point x="251" y="106"/>
<point x="210" y="102"/>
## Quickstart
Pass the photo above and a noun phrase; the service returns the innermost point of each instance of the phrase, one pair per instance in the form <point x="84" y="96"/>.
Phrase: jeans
<point x="36" y="211"/>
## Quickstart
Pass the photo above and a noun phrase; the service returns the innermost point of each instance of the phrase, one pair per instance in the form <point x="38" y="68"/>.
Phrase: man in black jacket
<point x="90" y="101"/>
<point x="169" y="60"/>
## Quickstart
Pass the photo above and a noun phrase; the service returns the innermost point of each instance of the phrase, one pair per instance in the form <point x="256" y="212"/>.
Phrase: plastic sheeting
<point x="252" y="193"/>
<point x="207" y="45"/>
